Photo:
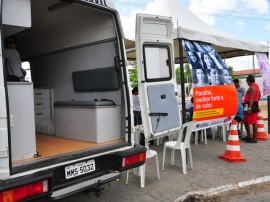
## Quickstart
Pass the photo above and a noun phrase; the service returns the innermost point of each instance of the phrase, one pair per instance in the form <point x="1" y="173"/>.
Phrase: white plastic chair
<point x="181" y="145"/>
<point x="203" y="136"/>
<point x="159" y="140"/>
<point x="149" y="154"/>
<point x="223" y="132"/>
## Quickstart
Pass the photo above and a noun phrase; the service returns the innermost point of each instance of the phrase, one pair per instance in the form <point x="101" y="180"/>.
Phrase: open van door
<point x="156" y="75"/>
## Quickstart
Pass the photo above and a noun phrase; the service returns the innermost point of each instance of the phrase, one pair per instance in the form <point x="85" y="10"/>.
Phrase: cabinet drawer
<point x="41" y="93"/>
<point x="42" y="113"/>
<point x="42" y="104"/>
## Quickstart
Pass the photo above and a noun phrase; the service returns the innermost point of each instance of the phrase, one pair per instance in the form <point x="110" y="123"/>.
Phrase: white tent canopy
<point x="192" y="28"/>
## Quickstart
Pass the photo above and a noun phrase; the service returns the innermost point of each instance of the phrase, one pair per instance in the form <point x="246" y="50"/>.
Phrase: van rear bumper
<point x="108" y="168"/>
<point x="92" y="184"/>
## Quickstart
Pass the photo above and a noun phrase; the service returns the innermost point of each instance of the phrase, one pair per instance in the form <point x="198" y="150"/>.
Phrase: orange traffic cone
<point x="232" y="152"/>
<point x="261" y="134"/>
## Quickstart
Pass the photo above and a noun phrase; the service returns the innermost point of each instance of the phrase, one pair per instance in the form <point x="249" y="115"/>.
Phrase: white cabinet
<point x="16" y="16"/>
<point x="17" y="13"/>
<point x="21" y="109"/>
<point x="44" y="110"/>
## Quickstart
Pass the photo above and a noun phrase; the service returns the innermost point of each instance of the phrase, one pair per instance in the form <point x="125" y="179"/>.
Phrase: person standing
<point x="15" y="72"/>
<point x="240" y="113"/>
<point x="136" y="107"/>
<point x="239" y="117"/>
<point x="137" y="114"/>
<point x="241" y="91"/>
<point x="251" y="99"/>
<point x="189" y="109"/>
<point x="189" y="104"/>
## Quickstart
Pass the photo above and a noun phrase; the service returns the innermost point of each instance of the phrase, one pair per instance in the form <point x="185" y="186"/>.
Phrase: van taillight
<point x="25" y="191"/>
<point x="133" y="159"/>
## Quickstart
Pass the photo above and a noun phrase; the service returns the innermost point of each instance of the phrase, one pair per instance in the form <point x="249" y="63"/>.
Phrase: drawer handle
<point x="38" y="93"/>
<point x="39" y="113"/>
<point x="38" y="103"/>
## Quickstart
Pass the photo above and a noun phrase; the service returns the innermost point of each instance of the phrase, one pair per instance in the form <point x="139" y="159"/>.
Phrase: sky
<point x="247" y="19"/>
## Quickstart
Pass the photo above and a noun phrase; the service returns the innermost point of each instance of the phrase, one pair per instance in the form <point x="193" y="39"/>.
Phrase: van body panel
<point x="4" y="138"/>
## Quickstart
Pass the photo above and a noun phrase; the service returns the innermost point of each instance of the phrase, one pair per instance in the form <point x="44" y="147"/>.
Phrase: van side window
<point x="26" y="67"/>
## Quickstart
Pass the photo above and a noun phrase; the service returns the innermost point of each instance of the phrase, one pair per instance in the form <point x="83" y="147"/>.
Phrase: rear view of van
<point x="68" y="128"/>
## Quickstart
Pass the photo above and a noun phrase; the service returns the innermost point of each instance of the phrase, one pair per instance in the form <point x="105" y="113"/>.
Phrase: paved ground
<point x="209" y="172"/>
<point x="257" y="193"/>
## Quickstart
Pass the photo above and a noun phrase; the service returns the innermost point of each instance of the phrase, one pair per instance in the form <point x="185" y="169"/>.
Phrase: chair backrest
<point x="185" y="132"/>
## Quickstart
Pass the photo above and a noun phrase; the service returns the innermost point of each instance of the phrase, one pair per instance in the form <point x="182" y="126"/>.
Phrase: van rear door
<point x="156" y="75"/>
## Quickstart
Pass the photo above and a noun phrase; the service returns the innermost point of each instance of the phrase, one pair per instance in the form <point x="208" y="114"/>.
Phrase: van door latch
<point x="118" y="63"/>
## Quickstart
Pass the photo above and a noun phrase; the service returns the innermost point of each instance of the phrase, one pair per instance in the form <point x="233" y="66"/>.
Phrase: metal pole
<point x="182" y="80"/>
<point x="253" y="65"/>
<point x="268" y="113"/>
<point x="187" y="86"/>
<point x="268" y="97"/>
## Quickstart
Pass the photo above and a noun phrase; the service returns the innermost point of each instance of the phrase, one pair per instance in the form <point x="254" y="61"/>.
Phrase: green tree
<point x="187" y="74"/>
<point x="133" y="76"/>
<point x="187" y="77"/>
<point x="178" y="76"/>
<point x="230" y="69"/>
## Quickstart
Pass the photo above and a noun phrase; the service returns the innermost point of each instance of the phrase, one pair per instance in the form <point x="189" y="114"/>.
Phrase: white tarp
<point x="192" y="28"/>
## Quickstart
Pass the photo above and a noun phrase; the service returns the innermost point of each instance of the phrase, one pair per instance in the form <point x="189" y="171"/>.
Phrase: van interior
<point x="75" y="101"/>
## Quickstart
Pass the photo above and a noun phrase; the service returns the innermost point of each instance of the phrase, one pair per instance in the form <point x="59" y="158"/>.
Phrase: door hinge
<point x="12" y="120"/>
<point x="118" y="63"/>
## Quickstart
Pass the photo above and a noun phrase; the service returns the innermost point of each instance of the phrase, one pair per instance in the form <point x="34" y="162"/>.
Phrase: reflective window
<point x="157" y="63"/>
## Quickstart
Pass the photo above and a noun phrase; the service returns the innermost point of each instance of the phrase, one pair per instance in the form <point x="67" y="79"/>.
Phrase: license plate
<point x="80" y="169"/>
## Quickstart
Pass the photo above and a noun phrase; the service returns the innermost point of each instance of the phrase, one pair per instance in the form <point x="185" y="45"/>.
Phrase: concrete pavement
<point x="209" y="172"/>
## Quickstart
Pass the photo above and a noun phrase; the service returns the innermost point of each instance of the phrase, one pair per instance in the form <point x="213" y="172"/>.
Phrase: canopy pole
<point x="253" y="65"/>
<point x="268" y="112"/>
<point x="182" y="80"/>
<point x="268" y="97"/>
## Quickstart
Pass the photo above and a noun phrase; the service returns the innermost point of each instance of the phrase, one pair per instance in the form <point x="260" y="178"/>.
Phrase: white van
<point x="69" y="128"/>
